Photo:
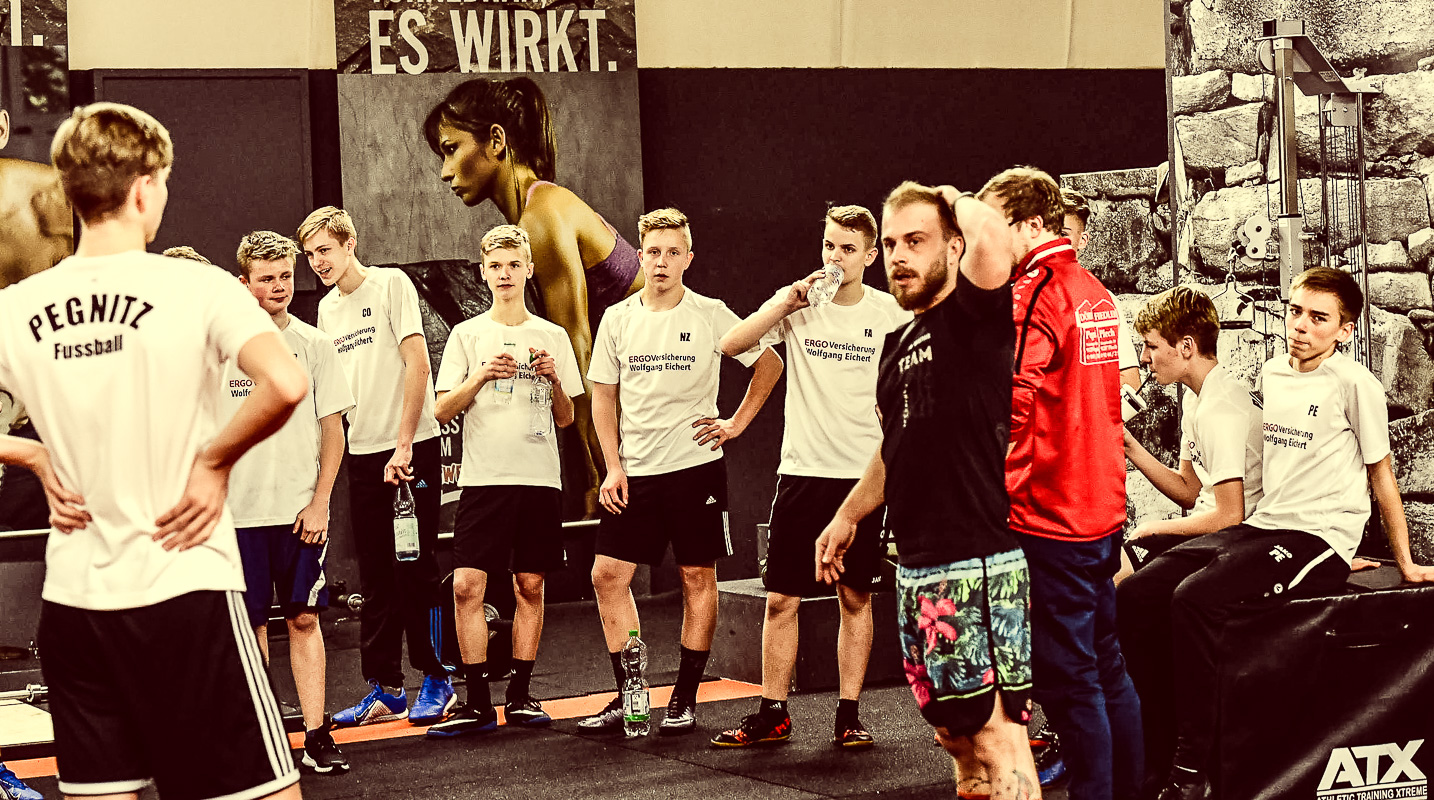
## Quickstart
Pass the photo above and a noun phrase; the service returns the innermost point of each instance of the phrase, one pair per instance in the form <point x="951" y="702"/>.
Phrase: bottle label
<point x="636" y="705"/>
<point x="405" y="538"/>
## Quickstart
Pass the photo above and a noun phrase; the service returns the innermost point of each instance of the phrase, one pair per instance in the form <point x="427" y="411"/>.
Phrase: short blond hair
<point x="264" y="246"/>
<point x="1179" y="312"/>
<point x="1028" y="192"/>
<point x="100" y="151"/>
<point x="664" y="219"/>
<point x="506" y="237"/>
<point x="910" y="193"/>
<point x="186" y="252"/>
<point x="334" y="220"/>
<point x="855" y="218"/>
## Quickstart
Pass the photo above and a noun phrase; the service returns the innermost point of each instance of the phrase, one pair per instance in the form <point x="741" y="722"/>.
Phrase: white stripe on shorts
<point x="319" y="583"/>
<point x="266" y="711"/>
<point x="1319" y="559"/>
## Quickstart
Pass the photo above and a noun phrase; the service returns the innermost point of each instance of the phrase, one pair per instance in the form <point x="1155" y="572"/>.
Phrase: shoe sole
<point x="314" y="765"/>
<point x="448" y="706"/>
<point x="528" y="723"/>
<point x="852" y="745"/>
<point x="387" y="716"/>
<point x="676" y="730"/>
<point x="488" y="728"/>
<point x="754" y="742"/>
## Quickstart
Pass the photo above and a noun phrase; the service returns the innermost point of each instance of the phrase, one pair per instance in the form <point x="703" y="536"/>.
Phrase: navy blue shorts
<point x="276" y="562"/>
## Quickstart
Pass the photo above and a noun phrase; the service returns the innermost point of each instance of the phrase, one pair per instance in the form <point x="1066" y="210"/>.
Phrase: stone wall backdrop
<point x="1224" y="172"/>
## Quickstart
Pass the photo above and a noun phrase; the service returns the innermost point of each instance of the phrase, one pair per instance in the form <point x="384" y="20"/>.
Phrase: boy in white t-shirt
<point x="280" y="490"/>
<point x="1219" y="478"/>
<point x="513" y="376"/>
<point x="661" y="348"/>
<point x="1326" y="443"/>
<point x="373" y="318"/>
<point x="830" y="434"/>
<point x="142" y="568"/>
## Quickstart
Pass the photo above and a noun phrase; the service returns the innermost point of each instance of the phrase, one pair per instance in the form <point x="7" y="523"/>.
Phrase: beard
<point x="921" y="293"/>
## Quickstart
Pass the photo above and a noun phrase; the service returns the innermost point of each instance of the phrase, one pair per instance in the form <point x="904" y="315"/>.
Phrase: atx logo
<point x="684" y="337"/>
<point x="1387" y="771"/>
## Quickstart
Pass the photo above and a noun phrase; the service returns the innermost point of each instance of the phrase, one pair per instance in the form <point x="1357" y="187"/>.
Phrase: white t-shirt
<point x="1321" y="429"/>
<point x="367" y="327"/>
<point x="833" y="352"/>
<point x="276" y="479"/>
<point x="498" y="446"/>
<point x="116" y="358"/>
<point x="667" y="364"/>
<point x="1221" y="438"/>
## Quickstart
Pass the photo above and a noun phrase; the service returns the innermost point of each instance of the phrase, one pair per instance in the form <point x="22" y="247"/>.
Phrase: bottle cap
<point x="632" y="634"/>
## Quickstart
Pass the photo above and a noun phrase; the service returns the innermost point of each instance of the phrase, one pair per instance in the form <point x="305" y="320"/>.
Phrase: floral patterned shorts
<point x="966" y="634"/>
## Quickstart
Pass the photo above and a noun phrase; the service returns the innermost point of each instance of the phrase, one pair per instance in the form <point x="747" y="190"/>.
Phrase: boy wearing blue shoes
<point x="372" y="315"/>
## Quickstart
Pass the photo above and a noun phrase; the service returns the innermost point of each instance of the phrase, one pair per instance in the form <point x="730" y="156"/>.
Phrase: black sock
<point x="689" y="673"/>
<point x="519" y="683"/>
<point x="618" y="675"/>
<point x="846" y="714"/>
<point x="476" y="675"/>
<point x="773" y="709"/>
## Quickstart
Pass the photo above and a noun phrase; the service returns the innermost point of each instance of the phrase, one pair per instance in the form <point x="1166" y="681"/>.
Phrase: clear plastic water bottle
<point x="825" y="288"/>
<point x="503" y="387"/>
<point x="541" y="396"/>
<point x="636" y="707"/>
<point x="405" y="524"/>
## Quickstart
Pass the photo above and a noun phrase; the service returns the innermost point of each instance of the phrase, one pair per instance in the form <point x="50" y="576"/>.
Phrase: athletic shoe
<point x="756" y="729"/>
<point x="434" y="700"/>
<point x="12" y="788"/>
<point x="609" y="720"/>
<point x="853" y="735"/>
<point x="525" y="712"/>
<point x="681" y="717"/>
<point x="378" y="706"/>
<point x="1185" y="784"/>
<point x="466" y="719"/>
<point x="1046" y="747"/>
<point x="321" y="754"/>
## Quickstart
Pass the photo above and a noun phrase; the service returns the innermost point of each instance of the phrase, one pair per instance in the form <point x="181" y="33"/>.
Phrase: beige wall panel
<point x="1118" y="34"/>
<point x="739" y="33"/>
<point x="957" y="33"/>
<point x="201" y="34"/>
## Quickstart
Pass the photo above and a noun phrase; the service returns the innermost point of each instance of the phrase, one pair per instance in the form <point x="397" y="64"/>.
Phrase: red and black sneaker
<point x="853" y="734"/>
<point x="756" y="729"/>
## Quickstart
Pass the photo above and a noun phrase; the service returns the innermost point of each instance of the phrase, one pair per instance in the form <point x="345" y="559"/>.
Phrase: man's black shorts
<point x="175" y="692"/>
<point x="800" y="512"/>
<point x="509" y="529"/>
<point x="686" y="508"/>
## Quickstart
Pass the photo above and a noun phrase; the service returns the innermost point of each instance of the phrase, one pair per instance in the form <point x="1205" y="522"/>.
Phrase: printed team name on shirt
<point x="828" y="350"/>
<point x="123" y="309"/>
<point x="1098" y="324"/>
<point x="1285" y="436"/>
<point x="657" y="362"/>
<point x="357" y="338"/>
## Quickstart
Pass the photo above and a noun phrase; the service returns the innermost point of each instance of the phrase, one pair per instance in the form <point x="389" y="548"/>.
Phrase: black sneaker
<point x="321" y="754"/>
<point x="1185" y="784"/>
<point x="681" y="717"/>
<point x="853" y="734"/>
<point x="609" y="720"/>
<point x="756" y="729"/>
<point x="465" y="719"/>
<point x="525" y="712"/>
<point x="1046" y="750"/>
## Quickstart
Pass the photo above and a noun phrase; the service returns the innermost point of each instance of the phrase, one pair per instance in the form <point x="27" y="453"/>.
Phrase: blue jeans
<point x="1080" y="678"/>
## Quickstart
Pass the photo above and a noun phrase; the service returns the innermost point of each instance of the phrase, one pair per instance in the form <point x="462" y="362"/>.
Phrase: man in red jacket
<point x="1065" y="474"/>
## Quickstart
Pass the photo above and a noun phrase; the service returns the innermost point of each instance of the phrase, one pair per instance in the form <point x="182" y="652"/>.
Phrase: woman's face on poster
<point x="469" y="165"/>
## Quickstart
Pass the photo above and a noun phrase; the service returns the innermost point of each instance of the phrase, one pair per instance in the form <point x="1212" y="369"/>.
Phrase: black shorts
<point x="1144" y="550"/>
<point x="800" y="512"/>
<point x="175" y="693"/>
<point x="276" y="561"/>
<point x="509" y="529"/>
<point x="686" y="508"/>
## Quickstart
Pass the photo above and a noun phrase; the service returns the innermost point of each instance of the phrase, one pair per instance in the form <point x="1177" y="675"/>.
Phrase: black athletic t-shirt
<point x="945" y="396"/>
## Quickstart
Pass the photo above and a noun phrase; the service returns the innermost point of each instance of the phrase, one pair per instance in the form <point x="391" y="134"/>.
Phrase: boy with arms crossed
<point x="280" y="490"/>
<point x="142" y="566"/>
<point x="1326" y="443"/>
<point x="831" y="431"/>
<point x="1219" y="477"/>
<point x="945" y="396"/>
<point x="664" y="483"/>
<point x="510" y="513"/>
<point x="372" y="315"/>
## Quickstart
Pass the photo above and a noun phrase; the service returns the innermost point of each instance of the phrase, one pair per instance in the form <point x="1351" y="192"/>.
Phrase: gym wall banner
<point x="574" y="63"/>
<point x="36" y="226"/>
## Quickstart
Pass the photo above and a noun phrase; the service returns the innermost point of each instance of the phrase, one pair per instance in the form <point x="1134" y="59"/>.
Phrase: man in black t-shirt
<point x="944" y="392"/>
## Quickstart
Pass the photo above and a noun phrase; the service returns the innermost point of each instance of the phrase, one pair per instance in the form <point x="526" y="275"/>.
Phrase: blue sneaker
<point x="378" y="706"/>
<point x="434" y="700"/>
<point x="12" y="788"/>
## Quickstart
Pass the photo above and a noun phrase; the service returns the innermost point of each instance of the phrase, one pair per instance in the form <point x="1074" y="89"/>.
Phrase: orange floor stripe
<point x="565" y="708"/>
